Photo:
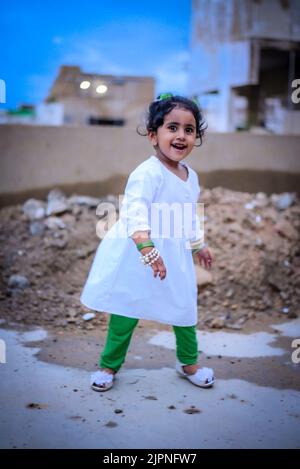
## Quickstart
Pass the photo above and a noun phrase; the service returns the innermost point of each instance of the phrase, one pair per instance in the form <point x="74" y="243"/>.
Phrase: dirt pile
<point x="47" y="248"/>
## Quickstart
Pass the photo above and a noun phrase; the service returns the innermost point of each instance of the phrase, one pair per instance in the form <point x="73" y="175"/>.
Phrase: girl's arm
<point x="140" y="236"/>
<point x="205" y="256"/>
<point x="158" y="266"/>
<point x="136" y="204"/>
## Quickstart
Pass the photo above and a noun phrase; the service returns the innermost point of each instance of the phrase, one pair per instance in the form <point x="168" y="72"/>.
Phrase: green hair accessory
<point x="163" y="96"/>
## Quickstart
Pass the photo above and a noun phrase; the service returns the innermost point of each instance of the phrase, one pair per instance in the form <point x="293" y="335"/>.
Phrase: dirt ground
<point x="254" y="281"/>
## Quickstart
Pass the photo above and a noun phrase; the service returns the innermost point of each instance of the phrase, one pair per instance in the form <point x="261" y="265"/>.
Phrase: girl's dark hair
<point x="163" y="105"/>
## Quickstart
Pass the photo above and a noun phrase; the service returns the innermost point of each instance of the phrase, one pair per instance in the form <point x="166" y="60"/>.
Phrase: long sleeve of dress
<point x="136" y="203"/>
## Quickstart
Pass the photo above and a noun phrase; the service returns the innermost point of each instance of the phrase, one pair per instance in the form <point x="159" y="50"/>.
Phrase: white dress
<point x="118" y="282"/>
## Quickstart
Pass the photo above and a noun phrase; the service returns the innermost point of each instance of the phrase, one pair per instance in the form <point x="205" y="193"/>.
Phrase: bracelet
<point x="146" y="244"/>
<point x="151" y="257"/>
<point x="198" y="249"/>
<point x="197" y="243"/>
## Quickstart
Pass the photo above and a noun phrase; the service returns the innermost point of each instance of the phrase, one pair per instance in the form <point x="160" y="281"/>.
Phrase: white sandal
<point x="102" y="381"/>
<point x="204" y="377"/>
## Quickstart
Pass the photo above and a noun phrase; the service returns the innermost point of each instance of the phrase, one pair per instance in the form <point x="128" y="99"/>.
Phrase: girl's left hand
<point x="205" y="256"/>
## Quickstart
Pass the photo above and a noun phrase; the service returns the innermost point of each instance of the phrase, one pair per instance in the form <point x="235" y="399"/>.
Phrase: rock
<point x="57" y="243"/>
<point x="72" y="313"/>
<point x="118" y="411"/>
<point x="261" y="200"/>
<point x="84" y="252"/>
<point x="250" y="205"/>
<point x="56" y="207"/>
<point x="229" y="293"/>
<point x="203" y="276"/>
<point x="54" y="223"/>
<point x="18" y="281"/>
<point x="236" y="326"/>
<point x="286" y="229"/>
<point x="34" y="209"/>
<point x="89" y="326"/>
<point x="76" y="210"/>
<point x="259" y="243"/>
<point x="236" y="228"/>
<point x="267" y="299"/>
<point x="217" y="323"/>
<point x="57" y="203"/>
<point x="251" y="315"/>
<point x="88" y="316"/>
<point x="56" y="194"/>
<point x="91" y="202"/>
<point x="36" y="228"/>
<point x="283" y="201"/>
<point x="71" y="320"/>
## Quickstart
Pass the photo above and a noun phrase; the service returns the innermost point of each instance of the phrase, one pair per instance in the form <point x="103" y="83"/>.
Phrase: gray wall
<point x="97" y="160"/>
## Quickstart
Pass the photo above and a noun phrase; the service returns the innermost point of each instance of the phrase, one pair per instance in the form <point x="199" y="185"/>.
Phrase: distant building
<point x="42" y="114"/>
<point x="245" y="55"/>
<point x="93" y="99"/>
<point x="24" y="114"/>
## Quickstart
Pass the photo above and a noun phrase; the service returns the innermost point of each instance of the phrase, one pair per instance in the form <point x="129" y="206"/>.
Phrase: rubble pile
<point x="47" y="248"/>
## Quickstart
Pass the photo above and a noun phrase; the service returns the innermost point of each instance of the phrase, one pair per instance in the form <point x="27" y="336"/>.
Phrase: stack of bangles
<point x="152" y="256"/>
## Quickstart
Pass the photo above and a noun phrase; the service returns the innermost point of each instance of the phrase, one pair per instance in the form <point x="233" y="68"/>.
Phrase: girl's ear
<point x="152" y="136"/>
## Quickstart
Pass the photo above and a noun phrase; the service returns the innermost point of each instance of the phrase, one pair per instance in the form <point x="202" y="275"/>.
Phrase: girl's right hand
<point x="158" y="266"/>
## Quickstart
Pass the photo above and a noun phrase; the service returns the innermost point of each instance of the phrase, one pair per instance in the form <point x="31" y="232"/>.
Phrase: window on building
<point x="103" y="121"/>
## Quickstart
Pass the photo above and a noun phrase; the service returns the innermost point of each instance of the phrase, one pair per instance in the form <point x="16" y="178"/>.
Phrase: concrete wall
<point x="97" y="161"/>
<point x="231" y="20"/>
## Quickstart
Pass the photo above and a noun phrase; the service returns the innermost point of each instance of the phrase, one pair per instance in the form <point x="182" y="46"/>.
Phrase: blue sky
<point x="114" y="37"/>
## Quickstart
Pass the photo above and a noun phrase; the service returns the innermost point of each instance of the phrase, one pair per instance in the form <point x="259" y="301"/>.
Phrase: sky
<point x="106" y="37"/>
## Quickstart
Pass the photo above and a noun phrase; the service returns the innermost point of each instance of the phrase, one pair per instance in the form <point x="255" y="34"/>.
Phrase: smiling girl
<point x="123" y="280"/>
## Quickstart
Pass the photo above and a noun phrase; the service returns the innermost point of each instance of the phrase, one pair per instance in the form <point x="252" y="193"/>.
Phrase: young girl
<point x="119" y="283"/>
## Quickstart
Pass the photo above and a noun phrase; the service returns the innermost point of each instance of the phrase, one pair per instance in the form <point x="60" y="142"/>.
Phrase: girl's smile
<point x="175" y="139"/>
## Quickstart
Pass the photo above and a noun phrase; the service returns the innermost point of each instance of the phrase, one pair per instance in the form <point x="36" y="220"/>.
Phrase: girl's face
<point x="175" y="139"/>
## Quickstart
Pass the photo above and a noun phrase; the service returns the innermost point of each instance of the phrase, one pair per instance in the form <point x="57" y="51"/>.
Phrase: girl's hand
<point x="205" y="256"/>
<point x="158" y="266"/>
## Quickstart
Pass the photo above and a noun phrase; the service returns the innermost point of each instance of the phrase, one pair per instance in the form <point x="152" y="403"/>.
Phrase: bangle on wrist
<point x="199" y="248"/>
<point x="151" y="257"/>
<point x="146" y="244"/>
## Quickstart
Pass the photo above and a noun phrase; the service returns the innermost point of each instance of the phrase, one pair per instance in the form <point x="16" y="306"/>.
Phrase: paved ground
<point x="46" y="401"/>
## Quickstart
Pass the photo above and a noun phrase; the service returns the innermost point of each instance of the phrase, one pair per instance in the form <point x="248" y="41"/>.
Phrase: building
<point x="245" y="55"/>
<point x="26" y="114"/>
<point x="93" y="99"/>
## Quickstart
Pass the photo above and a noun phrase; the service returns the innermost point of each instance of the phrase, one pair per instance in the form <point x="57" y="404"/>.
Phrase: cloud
<point x="173" y="72"/>
<point x="89" y="56"/>
<point x="120" y="48"/>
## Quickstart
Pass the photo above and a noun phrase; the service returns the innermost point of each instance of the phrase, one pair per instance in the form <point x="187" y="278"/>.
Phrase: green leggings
<point x="118" y="338"/>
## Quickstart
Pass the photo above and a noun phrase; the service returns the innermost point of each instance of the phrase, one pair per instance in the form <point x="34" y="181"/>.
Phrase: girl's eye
<point x="189" y="130"/>
<point x="172" y="128"/>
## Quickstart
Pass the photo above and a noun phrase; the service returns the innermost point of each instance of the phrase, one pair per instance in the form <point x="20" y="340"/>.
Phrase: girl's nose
<point x="180" y="133"/>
